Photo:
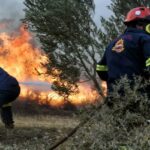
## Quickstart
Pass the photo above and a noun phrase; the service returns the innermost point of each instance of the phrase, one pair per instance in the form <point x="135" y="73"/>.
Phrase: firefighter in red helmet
<point x="139" y="13"/>
<point x="129" y="53"/>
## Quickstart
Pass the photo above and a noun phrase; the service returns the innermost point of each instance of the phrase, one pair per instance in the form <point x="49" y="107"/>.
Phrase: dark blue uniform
<point x="9" y="91"/>
<point x="7" y="82"/>
<point x="129" y="55"/>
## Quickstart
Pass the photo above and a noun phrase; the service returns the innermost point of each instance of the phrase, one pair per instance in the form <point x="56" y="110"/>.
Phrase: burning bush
<point x="20" y="57"/>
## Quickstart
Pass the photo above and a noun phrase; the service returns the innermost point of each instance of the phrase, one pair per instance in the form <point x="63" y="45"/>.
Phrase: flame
<point x="20" y="58"/>
<point x="104" y="87"/>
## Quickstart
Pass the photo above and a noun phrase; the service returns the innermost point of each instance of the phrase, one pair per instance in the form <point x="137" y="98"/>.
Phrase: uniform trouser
<point x="6" y="97"/>
<point x="6" y="114"/>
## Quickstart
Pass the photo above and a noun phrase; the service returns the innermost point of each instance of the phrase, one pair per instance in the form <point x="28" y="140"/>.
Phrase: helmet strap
<point x="146" y="26"/>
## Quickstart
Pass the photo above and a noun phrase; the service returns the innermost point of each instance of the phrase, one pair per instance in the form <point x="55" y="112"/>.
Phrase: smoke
<point x="11" y="13"/>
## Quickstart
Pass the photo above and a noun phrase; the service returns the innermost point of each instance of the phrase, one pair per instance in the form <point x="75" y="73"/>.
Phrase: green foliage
<point x="68" y="35"/>
<point x="121" y="123"/>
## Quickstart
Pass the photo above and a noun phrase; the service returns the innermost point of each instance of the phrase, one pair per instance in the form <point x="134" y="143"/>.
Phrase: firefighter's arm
<point x="102" y="69"/>
<point x="146" y="48"/>
<point x="147" y="69"/>
<point x="102" y="72"/>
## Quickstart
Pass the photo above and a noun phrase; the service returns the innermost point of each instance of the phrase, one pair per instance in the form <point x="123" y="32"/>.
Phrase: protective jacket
<point x="7" y="82"/>
<point x="9" y="91"/>
<point x="129" y="54"/>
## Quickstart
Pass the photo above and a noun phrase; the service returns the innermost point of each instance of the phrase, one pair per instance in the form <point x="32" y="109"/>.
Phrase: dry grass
<point x="45" y="121"/>
<point x="35" y="133"/>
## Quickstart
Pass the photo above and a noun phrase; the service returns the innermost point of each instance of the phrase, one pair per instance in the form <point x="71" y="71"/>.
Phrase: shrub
<point x="120" y="124"/>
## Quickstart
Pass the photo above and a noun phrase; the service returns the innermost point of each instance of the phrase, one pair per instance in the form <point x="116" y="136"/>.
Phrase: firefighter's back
<point x="125" y="56"/>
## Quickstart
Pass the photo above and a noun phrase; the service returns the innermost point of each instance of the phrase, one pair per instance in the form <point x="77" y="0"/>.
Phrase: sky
<point x="101" y="9"/>
<point x="13" y="9"/>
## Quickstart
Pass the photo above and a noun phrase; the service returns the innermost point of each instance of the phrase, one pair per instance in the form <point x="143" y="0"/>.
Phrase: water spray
<point x="37" y="85"/>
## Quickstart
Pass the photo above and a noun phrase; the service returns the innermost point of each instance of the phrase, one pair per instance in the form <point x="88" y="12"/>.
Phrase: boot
<point x="7" y="117"/>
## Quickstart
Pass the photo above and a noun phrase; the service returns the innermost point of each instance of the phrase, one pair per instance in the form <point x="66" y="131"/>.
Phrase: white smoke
<point x="11" y="13"/>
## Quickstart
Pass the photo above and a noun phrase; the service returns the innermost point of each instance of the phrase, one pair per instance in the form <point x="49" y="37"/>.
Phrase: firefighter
<point x="129" y="53"/>
<point x="9" y="91"/>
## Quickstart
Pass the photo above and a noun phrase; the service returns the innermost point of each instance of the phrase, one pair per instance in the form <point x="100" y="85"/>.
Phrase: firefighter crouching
<point x="9" y="91"/>
<point x="129" y="53"/>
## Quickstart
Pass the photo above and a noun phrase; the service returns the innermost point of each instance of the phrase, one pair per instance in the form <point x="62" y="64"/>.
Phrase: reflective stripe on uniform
<point x="6" y="105"/>
<point x="148" y="62"/>
<point x="101" y="68"/>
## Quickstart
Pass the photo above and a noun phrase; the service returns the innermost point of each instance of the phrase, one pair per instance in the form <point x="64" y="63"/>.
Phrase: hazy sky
<point x="13" y="9"/>
<point x="101" y="9"/>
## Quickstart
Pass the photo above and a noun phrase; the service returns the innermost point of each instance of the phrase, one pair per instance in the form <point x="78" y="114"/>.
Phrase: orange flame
<point x="21" y="59"/>
<point x="104" y="87"/>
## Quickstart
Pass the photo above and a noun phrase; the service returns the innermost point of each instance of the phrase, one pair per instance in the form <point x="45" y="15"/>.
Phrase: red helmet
<point x="139" y="13"/>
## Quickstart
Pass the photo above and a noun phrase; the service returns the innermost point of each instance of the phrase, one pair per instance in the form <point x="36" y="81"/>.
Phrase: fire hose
<point x="81" y="124"/>
<point x="74" y="130"/>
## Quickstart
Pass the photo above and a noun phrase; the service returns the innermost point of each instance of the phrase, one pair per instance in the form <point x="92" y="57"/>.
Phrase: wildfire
<point x="20" y="58"/>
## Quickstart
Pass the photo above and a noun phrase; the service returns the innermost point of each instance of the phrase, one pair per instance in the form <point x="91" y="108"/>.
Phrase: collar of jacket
<point x="129" y="29"/>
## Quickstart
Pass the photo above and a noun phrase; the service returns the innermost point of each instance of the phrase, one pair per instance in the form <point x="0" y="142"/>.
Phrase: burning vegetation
<point x="21" y="58"/>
